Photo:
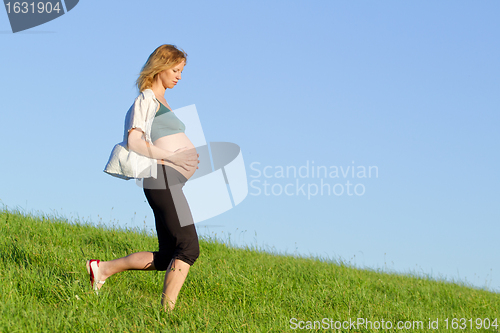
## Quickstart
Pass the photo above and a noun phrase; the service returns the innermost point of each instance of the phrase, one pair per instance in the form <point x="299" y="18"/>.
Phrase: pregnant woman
<point x="154" y="133"/>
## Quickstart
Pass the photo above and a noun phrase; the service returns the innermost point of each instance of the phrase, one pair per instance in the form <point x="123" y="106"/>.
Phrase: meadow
<point x="45" y="288"/>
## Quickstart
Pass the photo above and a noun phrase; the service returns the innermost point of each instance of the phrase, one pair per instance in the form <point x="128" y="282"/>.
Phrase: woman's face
<point x="169" y="77"/>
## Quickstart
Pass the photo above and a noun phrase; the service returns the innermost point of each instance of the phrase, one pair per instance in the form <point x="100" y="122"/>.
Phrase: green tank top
<point x="165" y="123"/>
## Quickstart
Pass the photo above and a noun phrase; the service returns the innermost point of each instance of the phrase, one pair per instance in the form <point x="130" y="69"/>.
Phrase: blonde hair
<point x="164" y="57"/>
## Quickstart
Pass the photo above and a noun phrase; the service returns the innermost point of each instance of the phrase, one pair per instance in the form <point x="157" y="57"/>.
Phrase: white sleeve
<point x="137" y="115"/>
<point x="128" y="164"/>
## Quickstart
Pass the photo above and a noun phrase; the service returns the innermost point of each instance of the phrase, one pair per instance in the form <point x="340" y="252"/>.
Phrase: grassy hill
<point x="45" y="288"/>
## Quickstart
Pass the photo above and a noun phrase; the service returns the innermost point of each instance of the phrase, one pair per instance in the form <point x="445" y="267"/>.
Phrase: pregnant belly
<point x="172" y="143"/>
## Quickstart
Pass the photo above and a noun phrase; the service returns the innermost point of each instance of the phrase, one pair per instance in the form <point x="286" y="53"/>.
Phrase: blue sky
<point x="410" y="88"/>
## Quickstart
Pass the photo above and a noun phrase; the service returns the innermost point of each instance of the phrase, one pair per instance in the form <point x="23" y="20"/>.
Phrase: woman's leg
<point x="135" y="261"/>
<point x="178" y="245"/>
<point x="174" y="280"/>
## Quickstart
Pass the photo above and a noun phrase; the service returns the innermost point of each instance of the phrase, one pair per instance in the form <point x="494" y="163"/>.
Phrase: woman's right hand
<point x="185" y="158"/>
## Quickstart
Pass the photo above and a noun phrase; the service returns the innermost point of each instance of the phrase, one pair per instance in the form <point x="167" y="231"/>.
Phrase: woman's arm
<point x="182" y="157"/>
<point x="137" y="143"/>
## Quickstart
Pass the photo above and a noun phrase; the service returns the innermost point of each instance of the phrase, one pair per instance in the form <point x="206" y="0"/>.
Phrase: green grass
<point x="45" y="288"/>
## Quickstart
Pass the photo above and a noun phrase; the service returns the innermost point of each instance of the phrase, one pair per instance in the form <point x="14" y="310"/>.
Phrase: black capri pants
<point x="177" y="237"/>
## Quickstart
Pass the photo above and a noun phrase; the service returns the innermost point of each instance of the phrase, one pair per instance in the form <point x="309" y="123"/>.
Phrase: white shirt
<point x="127" y="164"/>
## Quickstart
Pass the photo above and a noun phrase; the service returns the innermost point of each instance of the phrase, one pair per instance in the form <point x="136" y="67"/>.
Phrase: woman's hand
<point x="185" y="158"/>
